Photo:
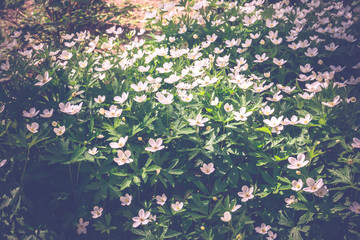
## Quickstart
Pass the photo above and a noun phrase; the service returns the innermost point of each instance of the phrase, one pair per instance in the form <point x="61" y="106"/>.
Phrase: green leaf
<point x="234" y="176"/>
<point x="295" y="234"/>
<point x="153" y="168"/>
<point x="108" y="219"/>
<point x="172" y="234"/>
<point x="137" y="232"/>
<point x="284" y="179"/>
<point x="136" y="180"/>
<point x="343" y="175"/>
<point x="185" y="131"/>
<point x="176" y="171"/>
<point x="77" y="155"/>
<point x="307" y="217"/>
<point x="264" y="129"/>
<point x="201" y="186"/>
<point x="285" y="220"/>
<point x="267" y="177"/>
<point x="299" y="206"/>
<point x="338" y="195"/>
<point x="125" y="184"/>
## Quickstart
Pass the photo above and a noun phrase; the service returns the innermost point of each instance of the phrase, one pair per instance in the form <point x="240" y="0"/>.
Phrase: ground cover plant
<point x="236" y="120"/>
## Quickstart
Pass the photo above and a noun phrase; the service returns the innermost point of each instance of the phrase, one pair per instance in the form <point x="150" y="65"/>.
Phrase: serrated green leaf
<point x="264" y="129"/>
<point x="307" y="217"/>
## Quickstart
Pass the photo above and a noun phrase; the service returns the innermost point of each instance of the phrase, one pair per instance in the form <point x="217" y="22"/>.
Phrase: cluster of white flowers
<point x="245" y="68"/>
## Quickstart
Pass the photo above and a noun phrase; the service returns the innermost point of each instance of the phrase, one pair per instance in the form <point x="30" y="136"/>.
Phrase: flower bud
<point x="267" y="74"/>
<point x="202" y="228"/>
<point x="298" y="172"/>
<point x="140" y="138"/>
<point x="208" y="128"/>
<point x="214" y="198"/>
<point x="320" y="62"/>
<point x="102" y="111"/>
<point x="54" y="123"/>
<point x="350" y="161"/>
<point x="123" y="118"/>
<point x="195" y="36"/>
<point x="262" y="42"/>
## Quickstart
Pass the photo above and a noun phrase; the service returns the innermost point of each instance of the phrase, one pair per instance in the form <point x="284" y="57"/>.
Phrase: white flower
<point x="214" y="102"/>
<point x="267" y="110"/>
<point x="81" y="226"/>
<point x="93" y="151"/>
<point x="161" y="199"/>
<point x="177" y="206"/>
<point x="43" y="79"/>
<point x="59" y="131"/>
<point x="290" y="201"/>
<point x="123" y="157"/>
<point x="32" y="113"/>
<point x="246" y="193"/>
<point x="297" y="185"/>
<point x="166" y="67"/>
<point x="164" y="100"/>
<point x="305" y="120"/>
<point x="355" y="207"/>
<point x="277" y="97"/>
<point x="297" y="163"/>
<point x="311" y="52"/>
<point x="97" y="212"/>
<point x="356" y="143"/>
<point x="33" y="127"/>
<point x="141" y="86"/>
<point x="335" y="102"/>
<point x="46" y="113"/>
<point x="306" y="96"/>
<point x="122" y="99"/>
<point x="65" y="55"/>
<point x="99" y="99"/>
<point x="271" y="235"/>
<point x="126" y="200"/>
<point x="2" y="163"/>
<point x="143" y="69"/>
<point x="273" y="122"/>
<point x="106" y="65"/>
<point x="113" y="112"/>
<point x="142" y="219"/>
<point x="242" y="115"/>
<point x="226" y="217"/>
<point x="140" y="99"/>
<point x="228" y="107"/>
<point x="312" y="185"/>
<point x="207" y="168"/>
<point x="263" y="229"/>
<point x="321" y="192"/>
<point x="70" y="109"/>
<point x="198" y="121"/>
<point x="121" y="143"/>
<point x="261" y="58"/>
<point x="83" y="64"/>
<point x="235" y="208"/>
<point x="155" y="145"/>
<point x="279" y="62"/>
<point x="2" y="107"/>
